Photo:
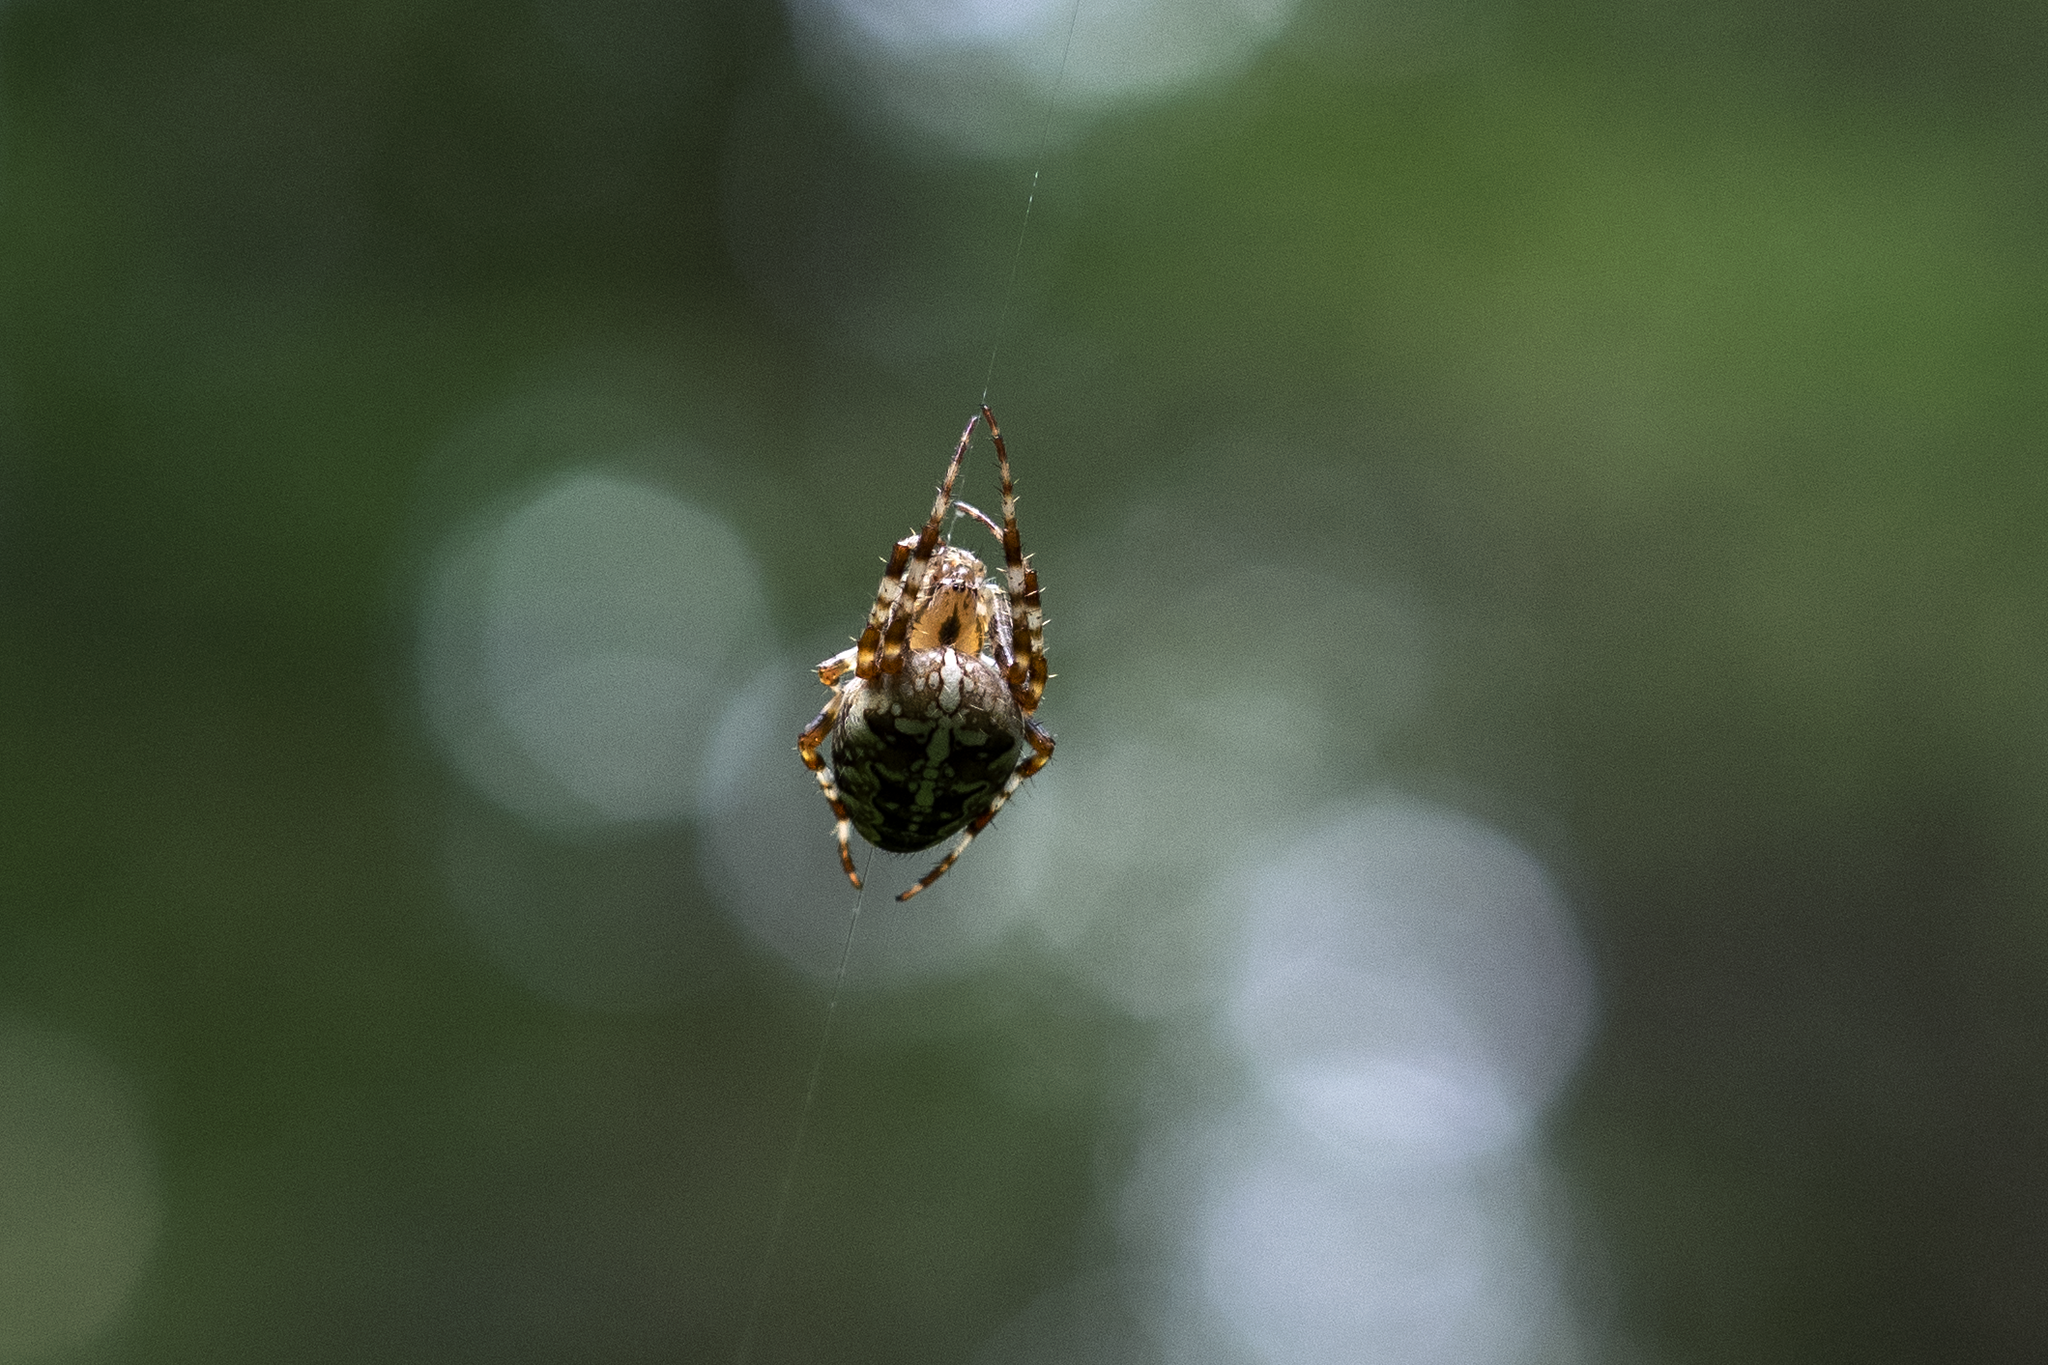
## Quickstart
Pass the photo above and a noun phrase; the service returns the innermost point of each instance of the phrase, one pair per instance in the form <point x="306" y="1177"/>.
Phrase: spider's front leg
<point x="1025" y="675"/>
<point x="807" y="745"/>
<point x="866" y="654"/>
<point x="1026" y="667"/>
<point x="995" y="605"/>
<point x="895" y="644"/>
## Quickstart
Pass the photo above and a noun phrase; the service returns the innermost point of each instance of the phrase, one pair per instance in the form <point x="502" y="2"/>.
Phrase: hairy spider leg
<point x="999" y="633"/>
<point x="895" y="642"/>
<point x="865" y="665"/>
<point x="807" y="745"/>
<point x="1041" y="744"/>
<point x="1027" y="670"/>
<point x="966" y="508"/>
<point x="838" y="666"/>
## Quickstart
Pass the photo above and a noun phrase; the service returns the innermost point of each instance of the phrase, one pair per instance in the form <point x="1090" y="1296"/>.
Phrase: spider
<point x="931" y="710"/>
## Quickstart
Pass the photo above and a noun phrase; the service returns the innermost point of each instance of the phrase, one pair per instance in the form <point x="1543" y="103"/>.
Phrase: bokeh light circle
<point x="1343" y="1161"/>
<point x="577" y="649"/>
<point x="1315" y="1264"/>
<point x="1409" y="980"/>
<point x="79" y="1205"/>
<point x="980" y="76"/>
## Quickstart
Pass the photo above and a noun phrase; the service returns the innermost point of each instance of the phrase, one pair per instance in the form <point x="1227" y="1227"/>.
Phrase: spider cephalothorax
<point x="931" y="710"/>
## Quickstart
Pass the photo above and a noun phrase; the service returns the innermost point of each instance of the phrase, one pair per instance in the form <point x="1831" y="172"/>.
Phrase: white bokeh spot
<point x="1403" y="1000"/>
<point x="577" y="652"/>
<point x="979" y="75"/>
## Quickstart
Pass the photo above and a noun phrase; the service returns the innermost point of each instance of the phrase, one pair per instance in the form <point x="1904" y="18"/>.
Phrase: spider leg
<point x="1027" y="670"/>
<point x="886" y="599"/>
<point x="807" y="746"/>
<point x="836" y="667"/>
<point x="968" y="509"/>
<point x="997" y="630"/>
<point x="895" y="643"/>
<point x="1041" y="745"/>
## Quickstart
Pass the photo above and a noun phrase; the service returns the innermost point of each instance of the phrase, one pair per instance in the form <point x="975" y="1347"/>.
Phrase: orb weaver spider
<point x="931" y="710"/>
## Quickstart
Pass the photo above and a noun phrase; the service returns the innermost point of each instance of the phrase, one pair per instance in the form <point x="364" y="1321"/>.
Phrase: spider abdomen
<point x="918" y="754"/>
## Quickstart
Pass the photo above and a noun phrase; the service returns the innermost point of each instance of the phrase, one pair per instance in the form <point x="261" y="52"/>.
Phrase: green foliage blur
<point x="1686" y="361"/>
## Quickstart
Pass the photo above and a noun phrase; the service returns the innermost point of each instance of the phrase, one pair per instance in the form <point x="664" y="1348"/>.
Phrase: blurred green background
<point x="1680" y="368"/>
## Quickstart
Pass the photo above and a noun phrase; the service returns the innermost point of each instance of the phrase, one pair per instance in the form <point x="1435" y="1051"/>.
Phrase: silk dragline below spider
<point x="931" y="711"/>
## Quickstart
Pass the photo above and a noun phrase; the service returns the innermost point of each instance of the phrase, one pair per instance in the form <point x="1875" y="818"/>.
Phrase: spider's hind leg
<point x="807" y="745"/>
<point x="1041" y="745"/>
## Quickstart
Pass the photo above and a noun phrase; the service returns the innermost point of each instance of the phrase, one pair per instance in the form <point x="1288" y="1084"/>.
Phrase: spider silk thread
<point x="1030" y="199"/>
<point x="782" y="1197"/>
<point x="803" y="1125"/>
